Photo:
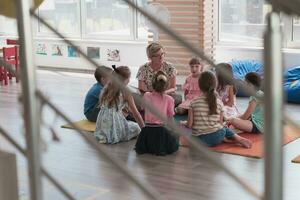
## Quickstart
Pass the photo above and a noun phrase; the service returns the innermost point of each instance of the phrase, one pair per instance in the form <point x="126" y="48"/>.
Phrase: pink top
<point x="191" y="88"/>
<point x="164" y="103"/>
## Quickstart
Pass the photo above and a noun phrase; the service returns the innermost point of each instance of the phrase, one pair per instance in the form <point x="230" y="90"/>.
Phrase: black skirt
<point x="156" y="139"/>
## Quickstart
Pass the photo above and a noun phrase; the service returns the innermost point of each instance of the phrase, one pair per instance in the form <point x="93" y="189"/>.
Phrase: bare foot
<point x="245" y="142"/>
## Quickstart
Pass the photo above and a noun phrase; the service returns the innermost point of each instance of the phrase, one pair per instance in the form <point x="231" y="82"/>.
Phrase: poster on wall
<point x="113" y="55"/>
<point x="58" y="50"/>
<point x="72" y="52"/>
<point x="41" y="49"/>
<point x="93" y="52"/>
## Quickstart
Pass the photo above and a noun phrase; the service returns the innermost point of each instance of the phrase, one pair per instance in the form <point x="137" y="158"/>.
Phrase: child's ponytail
<point x="207" y="83"/>
<point x="212" y="101"/>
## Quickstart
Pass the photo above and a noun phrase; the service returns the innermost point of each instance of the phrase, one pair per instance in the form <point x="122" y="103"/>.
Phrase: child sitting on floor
<point x="155" y="138"/>
<point x="226" y="89"/>
<point x="190" y="87"/>
<point x="91" y="102"/>
<point x="252" y="121"/>
<point x="111" y="125"/>
<point x="205" y="117"/>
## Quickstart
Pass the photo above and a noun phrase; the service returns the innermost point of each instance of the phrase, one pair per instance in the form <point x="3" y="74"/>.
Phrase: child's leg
<point x="93" y="114"/>
<point x="241" y="124"/>
<point x="213" y="139"/>
<point x="241" y="140"/>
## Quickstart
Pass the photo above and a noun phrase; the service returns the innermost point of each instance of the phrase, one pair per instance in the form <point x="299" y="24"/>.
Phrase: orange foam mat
<point x="296" y="160"/>
<point x="256" y="151"/>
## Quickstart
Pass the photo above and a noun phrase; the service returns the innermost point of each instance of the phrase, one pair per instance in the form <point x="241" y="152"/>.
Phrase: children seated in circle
<point x="190" y="87"/>
<point x="155" y="138"/>
<point x="111" y="126"/>
<point x="205" y="111"/>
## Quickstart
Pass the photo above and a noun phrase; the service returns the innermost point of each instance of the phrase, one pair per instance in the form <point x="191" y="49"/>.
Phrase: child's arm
<point x="190" y="118"/>
<point x="231" y="94"/>
<point x="185" y="87"/>
<point x="172" y="85"/>
<point x="249" y="110"/>
<point x="222" y="117"/>
<point x="133" y="109"/>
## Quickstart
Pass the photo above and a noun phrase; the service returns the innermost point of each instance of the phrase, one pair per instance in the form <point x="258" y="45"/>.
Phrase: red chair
<point x="10" y="56"/>
<point x="12" y="42"/>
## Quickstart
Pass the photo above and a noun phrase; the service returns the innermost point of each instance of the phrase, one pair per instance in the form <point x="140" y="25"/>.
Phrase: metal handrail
<point x="44" y="171"/>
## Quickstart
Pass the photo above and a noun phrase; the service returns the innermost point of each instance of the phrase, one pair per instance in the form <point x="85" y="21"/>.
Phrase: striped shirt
<point x="203" y="123"/>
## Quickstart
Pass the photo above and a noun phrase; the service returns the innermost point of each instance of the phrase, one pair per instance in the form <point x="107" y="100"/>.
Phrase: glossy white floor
<point x="184" y="175"/>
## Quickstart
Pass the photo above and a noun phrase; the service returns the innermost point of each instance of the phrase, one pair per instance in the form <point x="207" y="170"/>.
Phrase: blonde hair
<point x="153" y="48"/>
<point x="111" y="92"/>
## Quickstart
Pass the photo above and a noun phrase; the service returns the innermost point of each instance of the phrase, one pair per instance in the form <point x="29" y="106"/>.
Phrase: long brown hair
<point x="207" y="83"/>
<point x="227" y="79"/>
<point x="111" y="92"/>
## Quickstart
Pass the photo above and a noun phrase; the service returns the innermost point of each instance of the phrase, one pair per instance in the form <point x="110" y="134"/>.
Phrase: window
<point x="242" y="20"/>
<point x="8" y="26"/>
<point x="107" y="17"/>
<point x="142" y="30"/>
<point x="97" y="19"/>
<point x="63" y="15"/>
<point x="296" y="29"/>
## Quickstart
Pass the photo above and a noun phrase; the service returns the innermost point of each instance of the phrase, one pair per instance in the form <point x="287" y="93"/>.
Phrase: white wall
<point x="226" y="53"/>
<point x="132" y="54"/>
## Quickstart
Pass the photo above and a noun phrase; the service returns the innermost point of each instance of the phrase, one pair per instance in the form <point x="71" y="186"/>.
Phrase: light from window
<point x="8" y="26"/>
<point x="142" y="28"/>
<point x="242" y="20"/>
<point x="296" y="29"/>
<point x="107" y="17"/>
<point x="62" y="15"/>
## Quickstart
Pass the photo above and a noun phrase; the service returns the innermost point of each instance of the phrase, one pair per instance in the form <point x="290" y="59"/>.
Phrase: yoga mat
<point x="257" y="139"/>
<point x="296" y="160"/>
<point x="88" y="126"/>
<point x="84" y="125"/>
<point x="257" y="144"/>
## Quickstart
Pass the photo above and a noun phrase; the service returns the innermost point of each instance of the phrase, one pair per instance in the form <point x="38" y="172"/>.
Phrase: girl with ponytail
<point x="205" y="117"/>
<point x="111" y="125"/>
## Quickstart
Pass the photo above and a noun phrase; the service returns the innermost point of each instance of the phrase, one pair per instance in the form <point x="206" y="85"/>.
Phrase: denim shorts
<point x="215" y="138"/>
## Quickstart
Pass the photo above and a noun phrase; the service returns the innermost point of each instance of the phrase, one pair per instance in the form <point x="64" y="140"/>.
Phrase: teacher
<point x="156" y="54"/>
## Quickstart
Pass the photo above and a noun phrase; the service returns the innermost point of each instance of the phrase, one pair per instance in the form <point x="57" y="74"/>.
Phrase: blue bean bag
<point x="241" y="67"/>
<point x="291" y="84"/>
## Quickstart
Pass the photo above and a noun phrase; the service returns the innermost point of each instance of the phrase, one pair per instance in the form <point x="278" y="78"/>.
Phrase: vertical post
<point x="8" y="174"/>
<point x="273" y="110"/>
<point x="30" y="102"/>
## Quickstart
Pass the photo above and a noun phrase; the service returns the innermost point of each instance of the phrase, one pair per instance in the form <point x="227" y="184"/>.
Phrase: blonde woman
<point x="146" y="73"/>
